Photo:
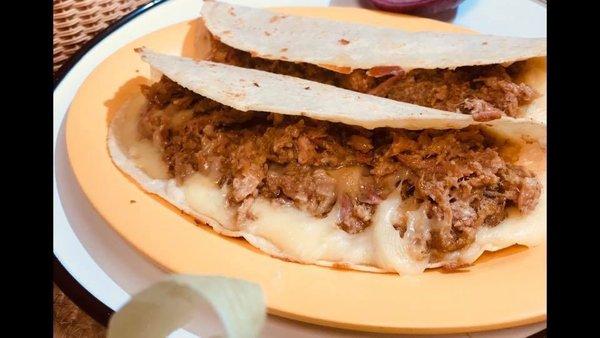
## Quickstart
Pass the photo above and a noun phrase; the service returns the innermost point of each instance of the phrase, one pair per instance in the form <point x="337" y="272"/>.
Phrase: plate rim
<point x="66" y="282"/>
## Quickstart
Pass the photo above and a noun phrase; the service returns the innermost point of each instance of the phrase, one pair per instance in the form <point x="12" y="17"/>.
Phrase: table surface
<point x="70" y="321"/>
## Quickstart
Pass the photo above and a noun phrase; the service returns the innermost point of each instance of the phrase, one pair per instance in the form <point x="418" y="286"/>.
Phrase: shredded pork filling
<point x="485" y="92"/>
<point x="461" y="178"/>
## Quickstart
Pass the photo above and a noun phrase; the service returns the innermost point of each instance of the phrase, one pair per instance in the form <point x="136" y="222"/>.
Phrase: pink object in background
<point x="418" y="7"/>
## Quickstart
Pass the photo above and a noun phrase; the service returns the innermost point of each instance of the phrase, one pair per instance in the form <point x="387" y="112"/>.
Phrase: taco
<point x="317" y="174"/>
<point x="482" y="75"/>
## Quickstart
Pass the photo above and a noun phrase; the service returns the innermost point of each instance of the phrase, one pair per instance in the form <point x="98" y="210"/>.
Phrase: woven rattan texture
<point x="77" y="21"/>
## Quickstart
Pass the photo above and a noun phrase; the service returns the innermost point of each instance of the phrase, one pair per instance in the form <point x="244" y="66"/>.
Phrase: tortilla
<point x="343" y="46"/>
<point x="244" y="28"/>
<point x="286" y="232"/>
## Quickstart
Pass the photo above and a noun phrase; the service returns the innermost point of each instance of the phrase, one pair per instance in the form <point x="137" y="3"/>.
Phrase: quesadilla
<point x="481" y="75"/>
<point x="317" y="174"/>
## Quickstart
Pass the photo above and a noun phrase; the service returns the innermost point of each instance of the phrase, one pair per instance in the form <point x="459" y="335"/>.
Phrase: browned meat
<point x="357" y="81"/>
<point x="354" y="215"/>
<point x="450" y="89"/>
<point x="225" y="54"/>
<point x="463" y="181"/>
<point x="243" y="211"/>
<point x="459" y="177"/>
<point x="481" y="110"/>
<point x="383" y="88"/>
<point x="245" y="185"/>
<point x="485" y="91"/>
<point x="310" y="189"/>
<point x="521" y="187"/>
<point x="360" y="143"/>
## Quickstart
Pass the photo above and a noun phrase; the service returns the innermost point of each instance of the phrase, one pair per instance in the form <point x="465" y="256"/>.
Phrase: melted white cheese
<point x="144" y="154"/>
<point x="309" y="238"/>
<point x="392" y="250"/>
<point x="285" y="228"/>
<point x="205" y="197"/>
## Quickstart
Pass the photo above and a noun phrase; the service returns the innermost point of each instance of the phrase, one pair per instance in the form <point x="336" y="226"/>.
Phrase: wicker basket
<point x="77" y="21"/>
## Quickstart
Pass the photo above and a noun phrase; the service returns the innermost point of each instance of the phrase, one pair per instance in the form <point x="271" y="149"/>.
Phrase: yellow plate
<point x="503" y="289"/>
